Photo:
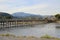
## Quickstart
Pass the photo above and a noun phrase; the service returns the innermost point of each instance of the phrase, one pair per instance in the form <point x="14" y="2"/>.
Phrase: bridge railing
<point x="15" y="22"/>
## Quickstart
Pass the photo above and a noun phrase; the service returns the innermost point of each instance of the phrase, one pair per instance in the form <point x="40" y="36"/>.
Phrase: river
<point x="36" y="30"/>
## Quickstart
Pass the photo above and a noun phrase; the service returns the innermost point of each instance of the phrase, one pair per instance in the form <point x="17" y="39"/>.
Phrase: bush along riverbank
<point x="13" y="37"/>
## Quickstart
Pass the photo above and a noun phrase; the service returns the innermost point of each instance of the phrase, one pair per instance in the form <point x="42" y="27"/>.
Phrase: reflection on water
<point x="37" y="30"/>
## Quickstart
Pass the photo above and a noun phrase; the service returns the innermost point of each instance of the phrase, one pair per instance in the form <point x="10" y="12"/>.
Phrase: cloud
<point x="6" y="5"/>
<point x="2" y="0"/>
<point x="29" y="9"/>
<point x="30" y="6"/>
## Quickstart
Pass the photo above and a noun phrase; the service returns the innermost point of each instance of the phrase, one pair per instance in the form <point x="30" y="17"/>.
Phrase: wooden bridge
<point x="16" y="22"/>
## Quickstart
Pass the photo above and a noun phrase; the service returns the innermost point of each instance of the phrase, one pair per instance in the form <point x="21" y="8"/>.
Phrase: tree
<point x="57" y="16"/>
<point x="4" y="15"/>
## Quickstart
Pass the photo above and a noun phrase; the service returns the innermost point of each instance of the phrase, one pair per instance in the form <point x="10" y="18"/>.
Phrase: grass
<point x="7" y="35"/>
<point x="47" y="36"/>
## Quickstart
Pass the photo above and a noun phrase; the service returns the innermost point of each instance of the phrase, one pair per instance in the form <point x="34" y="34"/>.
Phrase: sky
<point x="39" y="7"/>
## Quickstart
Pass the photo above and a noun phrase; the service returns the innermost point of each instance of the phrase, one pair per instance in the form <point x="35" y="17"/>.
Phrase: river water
<point x="36" y="30"/>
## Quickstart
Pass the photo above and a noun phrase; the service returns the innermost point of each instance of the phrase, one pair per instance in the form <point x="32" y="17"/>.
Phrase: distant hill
<point x="5" y="15"/>
<point x="22" y="14"/>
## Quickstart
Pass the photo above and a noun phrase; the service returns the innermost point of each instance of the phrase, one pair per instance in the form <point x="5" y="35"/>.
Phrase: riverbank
<point x="13" y="37"/>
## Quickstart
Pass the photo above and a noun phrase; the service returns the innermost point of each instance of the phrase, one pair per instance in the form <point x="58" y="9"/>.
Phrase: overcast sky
<point x="40" y="7"/>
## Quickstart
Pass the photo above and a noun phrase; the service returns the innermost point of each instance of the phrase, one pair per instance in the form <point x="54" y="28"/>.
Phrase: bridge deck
<point x="17" y="22"/>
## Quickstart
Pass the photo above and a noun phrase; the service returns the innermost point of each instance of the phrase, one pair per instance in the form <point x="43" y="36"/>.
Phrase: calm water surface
<point x="37" y="30"/>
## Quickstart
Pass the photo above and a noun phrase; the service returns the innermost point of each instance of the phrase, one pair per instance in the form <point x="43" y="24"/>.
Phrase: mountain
<point x="5" y="15"/>
<point x="22" y="14"/>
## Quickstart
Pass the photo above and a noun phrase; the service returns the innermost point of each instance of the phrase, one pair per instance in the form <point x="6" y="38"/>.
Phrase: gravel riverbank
<point x="12" y="37"/>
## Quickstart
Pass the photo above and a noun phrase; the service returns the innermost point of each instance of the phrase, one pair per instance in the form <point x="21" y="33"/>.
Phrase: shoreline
<point x="13" y="37"/>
